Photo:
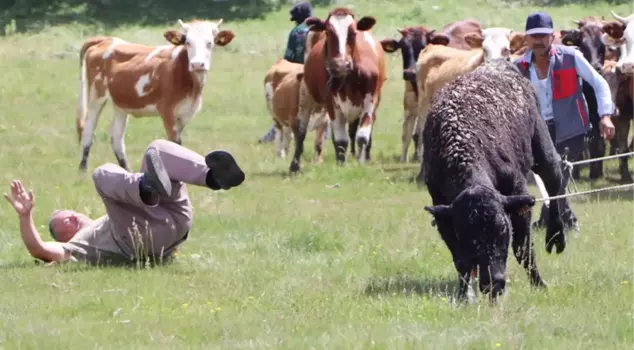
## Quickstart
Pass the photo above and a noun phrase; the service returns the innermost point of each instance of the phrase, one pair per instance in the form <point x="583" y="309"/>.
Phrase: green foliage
<point x="22" y="15"/>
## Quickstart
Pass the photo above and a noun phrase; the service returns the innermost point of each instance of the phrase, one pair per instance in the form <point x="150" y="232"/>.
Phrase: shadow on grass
<point x="406" y="285"/>
<point x="18" y="16"/>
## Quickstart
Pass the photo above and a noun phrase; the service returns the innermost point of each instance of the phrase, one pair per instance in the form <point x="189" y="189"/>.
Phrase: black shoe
<point x="224" y="172"/>
<point x="156" y="175"/>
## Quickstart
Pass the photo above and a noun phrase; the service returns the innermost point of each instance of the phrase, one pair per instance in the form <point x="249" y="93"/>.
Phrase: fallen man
<point x="148" y="214"/>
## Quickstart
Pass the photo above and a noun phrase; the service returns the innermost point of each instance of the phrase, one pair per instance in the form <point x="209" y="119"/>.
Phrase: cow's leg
<point x="320" y="134"/>
<point x="353" y="126"/>
<point x="409" y="122"/>
<point x="117" y="132"/>
<point x="279" y="141"/>
<point x="420" y="123"/>
<point x="523" y="247"/>
<point x="596" y="147"/>
<point x="95" y="106"/>
<point x="622" y="129"/>
<point x="548" y="167"/>
<point x="300" y="127"/>
<point x="364" y="133"/>
<point x="286" y="140"/>
<point x="340" y="137"/>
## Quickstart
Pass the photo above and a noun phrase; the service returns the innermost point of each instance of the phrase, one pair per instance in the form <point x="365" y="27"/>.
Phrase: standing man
<point x="148" y="213"/>
<point x="554" y="71"/>
<point x="295" y="47"/>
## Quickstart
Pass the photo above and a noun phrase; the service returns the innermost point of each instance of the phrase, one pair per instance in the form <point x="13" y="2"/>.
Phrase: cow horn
<point x="623" y="20"/>
<point x="219" y="22"/>
<point x="401" y="30"/>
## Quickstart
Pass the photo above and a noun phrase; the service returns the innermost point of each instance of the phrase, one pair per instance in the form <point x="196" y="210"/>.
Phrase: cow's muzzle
<point x="340" y="67"/>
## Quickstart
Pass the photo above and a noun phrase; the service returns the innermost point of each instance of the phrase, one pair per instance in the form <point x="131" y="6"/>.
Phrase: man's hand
<point x="606" y="127"/>
<point x="21" y="201"/>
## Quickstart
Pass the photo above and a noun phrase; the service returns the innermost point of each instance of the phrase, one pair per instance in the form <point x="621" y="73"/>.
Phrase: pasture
<point x="337" y="257"/>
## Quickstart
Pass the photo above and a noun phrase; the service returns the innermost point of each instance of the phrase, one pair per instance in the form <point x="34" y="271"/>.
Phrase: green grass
<point x="280" y="262"/>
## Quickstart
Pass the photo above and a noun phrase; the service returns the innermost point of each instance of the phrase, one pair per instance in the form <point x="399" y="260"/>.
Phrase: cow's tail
<point x="82" y="109"/>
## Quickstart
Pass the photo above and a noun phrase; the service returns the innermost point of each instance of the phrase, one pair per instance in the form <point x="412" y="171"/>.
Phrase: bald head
<point x="64" y="224"/>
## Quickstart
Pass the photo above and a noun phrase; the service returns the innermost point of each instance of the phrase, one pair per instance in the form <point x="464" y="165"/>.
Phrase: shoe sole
<point x="157" y="175"/>
<point x="224" y="169"/>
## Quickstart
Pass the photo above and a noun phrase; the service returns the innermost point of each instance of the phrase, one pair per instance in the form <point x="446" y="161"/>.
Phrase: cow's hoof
<point x="294" y="168"/>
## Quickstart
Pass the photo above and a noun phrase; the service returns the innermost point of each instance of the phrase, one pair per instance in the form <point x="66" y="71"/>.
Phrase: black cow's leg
<point x="299" y="132"/>
<point x="548" y="167"/>
<point x="597" y="150"/>
<point x="352" y="133"/>
<point x="340" y="137"/>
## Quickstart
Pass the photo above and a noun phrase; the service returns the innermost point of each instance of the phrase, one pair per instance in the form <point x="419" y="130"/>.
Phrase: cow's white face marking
<point x="341" y="25"/>
<point x="496" y="43"/>
<point x="199" y="41"/>
<point x="140" y="85"/>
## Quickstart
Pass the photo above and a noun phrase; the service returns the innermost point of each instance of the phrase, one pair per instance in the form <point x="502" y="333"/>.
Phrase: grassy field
<point x="285" y="262"/>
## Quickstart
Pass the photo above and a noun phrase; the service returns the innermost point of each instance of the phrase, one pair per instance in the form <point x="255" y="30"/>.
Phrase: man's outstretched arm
<point x="23" y="204"/>
<point x="46" y="251"/>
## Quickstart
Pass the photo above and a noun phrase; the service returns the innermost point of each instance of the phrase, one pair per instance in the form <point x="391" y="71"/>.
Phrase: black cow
<point x="485" y="134"/>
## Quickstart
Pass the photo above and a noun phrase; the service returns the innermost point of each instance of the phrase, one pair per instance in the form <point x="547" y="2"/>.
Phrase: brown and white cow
<point x="413" y="40"/>
<point x="285" y="91"/>
<point x="144" y="80"/>
<point x="621" y="34"/>
<point x="438" y="64"/>
<point x="344" y="72"/>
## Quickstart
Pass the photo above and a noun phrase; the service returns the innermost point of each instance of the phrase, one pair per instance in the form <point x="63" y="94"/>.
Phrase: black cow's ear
<point x="518" y="203"/>
<point x="389" y="45"/>
<point x="366" y="23"/>
<point x="440" y="210"/>
<point x="570" y="37"/>
<point x="315" y="24"/>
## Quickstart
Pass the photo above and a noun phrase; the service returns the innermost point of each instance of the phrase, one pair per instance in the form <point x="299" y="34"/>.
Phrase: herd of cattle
<point x="460" y="89"/>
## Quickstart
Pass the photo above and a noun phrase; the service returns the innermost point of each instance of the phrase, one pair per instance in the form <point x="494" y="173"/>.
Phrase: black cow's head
<point x="413" y="40"/>
<point x="479" y="219"/>
<point x="587" y="37"/>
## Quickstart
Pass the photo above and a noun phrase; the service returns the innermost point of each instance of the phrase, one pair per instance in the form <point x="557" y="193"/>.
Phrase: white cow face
<point x="494" y="41"/>
<point x="621" y="34"/>
<point x="199" y="38"/>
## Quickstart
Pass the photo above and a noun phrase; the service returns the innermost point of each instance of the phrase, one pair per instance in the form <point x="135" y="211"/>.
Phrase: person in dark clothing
<point x="295" y="47"/>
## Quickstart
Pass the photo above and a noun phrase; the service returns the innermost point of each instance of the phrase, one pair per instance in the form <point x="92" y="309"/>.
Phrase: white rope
<point x="603" y="158"/>
<point x="586" y="192"/>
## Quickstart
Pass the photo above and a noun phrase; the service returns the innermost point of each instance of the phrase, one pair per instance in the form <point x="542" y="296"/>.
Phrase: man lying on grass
<point x="148" y="214"/>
